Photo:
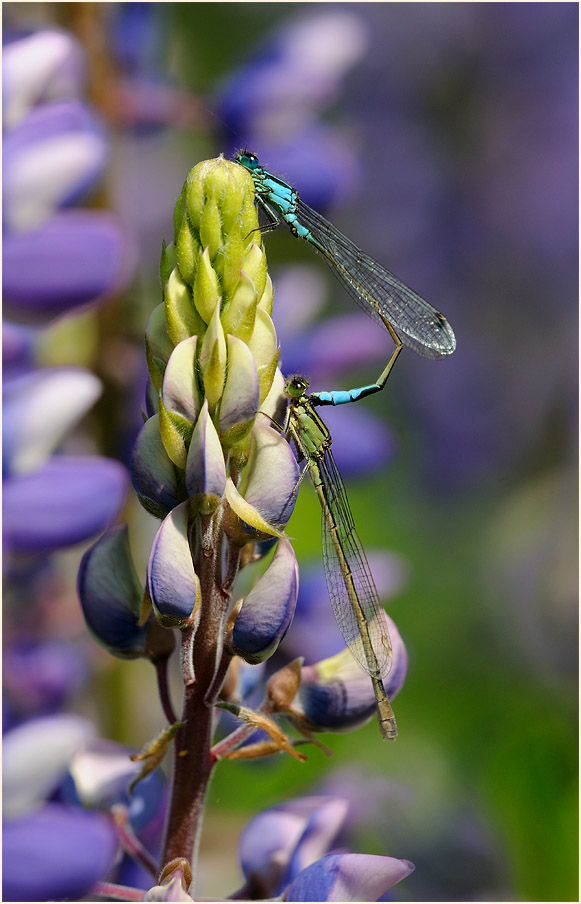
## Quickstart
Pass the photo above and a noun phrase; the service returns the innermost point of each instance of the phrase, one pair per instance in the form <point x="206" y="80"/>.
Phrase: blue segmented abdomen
<point x="342" y="396"/>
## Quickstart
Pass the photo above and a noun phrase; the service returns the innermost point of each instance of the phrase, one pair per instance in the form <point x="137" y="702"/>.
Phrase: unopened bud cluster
<point x="212" y="357"/>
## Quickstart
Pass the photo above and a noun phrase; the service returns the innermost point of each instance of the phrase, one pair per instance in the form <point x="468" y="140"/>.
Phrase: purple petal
<point x="50" y="160"/>
<point x="270" y="839"/>
<point x="76" y="258"/>
<point x="36" y="756"/>
<point x="153" y="472"/>
<point x="205" y="467"/>
<point x="271" y="476"/>
<point x="110" y="594"/>
<point x="40" y="407"/>
<point x="68" y="500"/>
<point x="173" y="584"/>
<point x="56" y="854"/>
<point x="41" y="66"/>
<point x="320" y="833"/>
<point x="268" y="609"/>
<point x="39" y="676"/>
<point x="348" y="877"/>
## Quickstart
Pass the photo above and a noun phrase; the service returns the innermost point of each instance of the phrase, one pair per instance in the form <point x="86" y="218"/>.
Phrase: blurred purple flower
<point x="297" y="74"/>
<point x="51" y="160"/>
<point x="67" y="500"/>
<point x="285" y="847"/>
<point x="55" y="854"/>
<point x="277" y="843"/>
<point x="348" y="877"/>
<point x="273" y="103"/>
<point x="40" y="676"/>
<point x="53" y="261"/>
<point x="75" y="258"/>
<point x="49" y="502"/>
<point x="68" y="847"/>
<point x="38" y="68"/>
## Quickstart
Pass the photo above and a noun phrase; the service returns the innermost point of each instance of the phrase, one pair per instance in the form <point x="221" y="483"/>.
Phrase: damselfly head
<point x="296" y="386"/>
<point x="247" y="159"/>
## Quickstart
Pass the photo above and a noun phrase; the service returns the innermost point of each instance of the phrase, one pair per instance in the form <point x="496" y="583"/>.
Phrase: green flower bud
<point x="180" y="391"/>
<point x="206" y="289"/>
<point x="213" y="357"/>
<point x="182" y="317"/>
<point x="158" y="345"/>
<point x="241" y="393"/>
<point x="168" y="261"/>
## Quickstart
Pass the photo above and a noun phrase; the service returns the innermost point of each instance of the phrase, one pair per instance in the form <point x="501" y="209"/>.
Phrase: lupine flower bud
<point x="174" y="882"/>
<point x="336" y="694"/>
<point x="205" y="469"/>
<point x="265" y="499"/>
<point x="111" y="594"/>
<point x="268" y="609"/>
<point x="153" y="472"/>
<point x="241" y="393"/>
<point x="180" y="391"/>
<point x="172" y="583"/>
<point x="212" y="356"/>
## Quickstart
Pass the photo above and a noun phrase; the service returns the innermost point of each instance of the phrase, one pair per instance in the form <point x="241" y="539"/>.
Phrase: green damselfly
<point x="352" y="591"/>
<point x="381" y="294"/>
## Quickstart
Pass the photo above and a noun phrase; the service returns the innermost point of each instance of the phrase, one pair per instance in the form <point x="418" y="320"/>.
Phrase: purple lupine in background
<point x="60" y="786"/>
<point x="57" y="258"/>
<point x="274" y="102"/>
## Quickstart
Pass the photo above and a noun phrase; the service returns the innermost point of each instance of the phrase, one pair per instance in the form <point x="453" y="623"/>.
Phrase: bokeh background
<point x="442" y="138"/>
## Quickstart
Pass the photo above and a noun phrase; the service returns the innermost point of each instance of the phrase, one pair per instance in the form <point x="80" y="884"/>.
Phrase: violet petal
<point x="57" y="854"/>
<point x="348" y="877"/>
<point x="69" y="499"/>
<point x="268" y="609"/>
<point x="75" y="258"/>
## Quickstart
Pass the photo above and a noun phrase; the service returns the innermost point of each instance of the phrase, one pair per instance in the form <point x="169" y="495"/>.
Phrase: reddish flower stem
<point x="193" y="761"/>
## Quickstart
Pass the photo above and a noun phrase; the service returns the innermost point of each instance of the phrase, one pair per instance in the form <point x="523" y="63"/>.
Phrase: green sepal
<point x="211" y="228"/>
<point x="182" y="318"/>
<point x="158" y="345"/>
<point x="178" y="213"/>
<point x="236" y="434"/>
<point x="167" y="262"/>
<point x="187" y="247"/>
<point x="239" y="317"/>
<point x="176" y="433"/>
<point x="231" y="262"/>
<point x="206" y="289"/>
<point x="266" y="376"/>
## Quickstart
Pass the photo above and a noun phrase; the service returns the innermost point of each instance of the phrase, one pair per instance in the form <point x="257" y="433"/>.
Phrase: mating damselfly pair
<point x="409" y="319"/>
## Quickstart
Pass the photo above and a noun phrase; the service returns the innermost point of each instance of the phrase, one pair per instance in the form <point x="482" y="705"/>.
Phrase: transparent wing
<point x="375" y="289"/>
<point x="343" y="552"/>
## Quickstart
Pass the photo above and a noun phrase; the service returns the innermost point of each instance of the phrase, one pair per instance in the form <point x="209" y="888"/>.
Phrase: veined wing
<point x="370" y="643"/>
<point x="375" y="289"/>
